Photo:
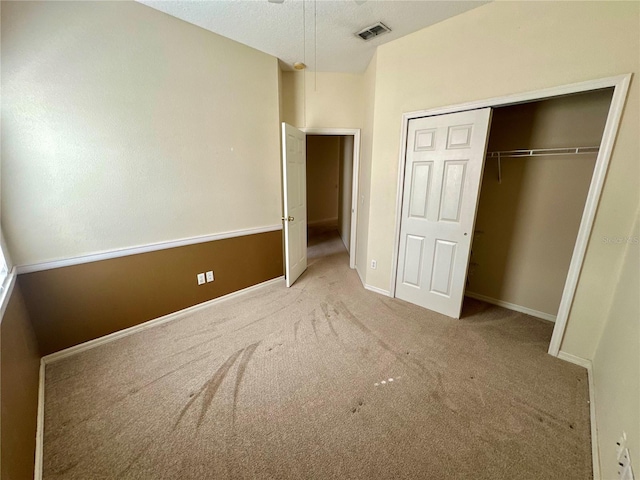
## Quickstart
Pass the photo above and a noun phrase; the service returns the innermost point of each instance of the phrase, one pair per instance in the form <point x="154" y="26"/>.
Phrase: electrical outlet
<point x="201" y="278"/>
<point x="210" y="276"/>
<point x="374" y="264"/>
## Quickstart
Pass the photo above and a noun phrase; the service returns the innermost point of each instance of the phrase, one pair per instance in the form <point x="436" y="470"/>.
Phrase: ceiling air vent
<point x="373" y="31"/>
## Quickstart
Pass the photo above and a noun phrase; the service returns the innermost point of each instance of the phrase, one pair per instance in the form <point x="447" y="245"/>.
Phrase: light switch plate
<point x="200" y="278"/>
<point x="210" y="276"/>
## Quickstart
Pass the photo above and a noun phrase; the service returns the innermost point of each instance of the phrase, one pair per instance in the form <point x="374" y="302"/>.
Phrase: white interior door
<point x="294" y="181"/>
<point x="443" y="171"/>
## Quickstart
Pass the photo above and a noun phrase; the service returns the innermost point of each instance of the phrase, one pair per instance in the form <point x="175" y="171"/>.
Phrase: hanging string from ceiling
<point x="304" y="61"/>
<point x="315" y="40"/>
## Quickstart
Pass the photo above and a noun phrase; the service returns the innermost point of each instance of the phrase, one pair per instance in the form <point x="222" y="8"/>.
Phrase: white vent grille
<point x="373" y="31"/>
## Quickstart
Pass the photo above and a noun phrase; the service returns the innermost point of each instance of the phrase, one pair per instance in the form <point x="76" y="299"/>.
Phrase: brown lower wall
<point x="71" y="305"/>
<point x="19" y="369"/>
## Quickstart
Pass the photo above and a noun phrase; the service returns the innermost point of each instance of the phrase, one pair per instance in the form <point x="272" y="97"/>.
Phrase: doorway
<point x="619" y="85"/>
<point x="329" y="194"/>
<point x="339" y="195"/>
<point x="332" y="188"/>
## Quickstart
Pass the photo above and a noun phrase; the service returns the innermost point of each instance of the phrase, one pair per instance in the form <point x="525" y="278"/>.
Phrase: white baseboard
<point x="360" y="275"/>
<point x="381" y="291"/>
<point x="152" y="247"/>
<point x="371" y="288"/>
<point x="512" y="306"/>
<point x="54" y="357"/>
<point x="346" y="244"/>
<point x="595" y="451"/>
<point x="37" y="470"/>
<point x="567" y="357"/>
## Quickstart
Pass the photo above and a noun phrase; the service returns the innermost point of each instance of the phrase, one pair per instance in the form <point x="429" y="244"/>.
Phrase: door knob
<point x="288" y="219"/>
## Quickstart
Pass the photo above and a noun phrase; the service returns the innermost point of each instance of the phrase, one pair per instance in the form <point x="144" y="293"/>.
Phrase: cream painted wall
<point x="336" y="100"/>
<point x="527" y="225"/>
<point x="323" y="163"/>
<point x="123" y="126"/>
<point x="345" y="190"/>
<point x="323" y="100"/>
<point x="539" y="44"/>
<point x="616" y="365"/>
<point x="281" y="114"/>
<point x="364" y="180"/>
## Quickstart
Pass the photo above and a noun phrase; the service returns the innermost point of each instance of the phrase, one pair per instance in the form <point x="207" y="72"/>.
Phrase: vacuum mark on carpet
<point x="269" y="314"/>
<point x="66" y="468"/>
<point x="242" y="367"/>
<point x="135" y="459"/>
<point x="333" y="330"/>
<point x="295" y="330"/>
<point x="313" y="324"/>
<point x="208" y="390"/>
<point x="215" y="323"/>
<point x="479" y="390"/>
<point x="325" y="310"/>
<point x="192" y="347"/>
<point x="213" y="385"/>
<point x="354" y="320"/>
<point x="133" y="391"/>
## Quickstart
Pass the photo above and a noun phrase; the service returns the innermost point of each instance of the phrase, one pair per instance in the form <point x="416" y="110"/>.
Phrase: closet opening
<point x="330" y="182"/>
<point x="538" y="169"/>
<point x="443" y="181"/>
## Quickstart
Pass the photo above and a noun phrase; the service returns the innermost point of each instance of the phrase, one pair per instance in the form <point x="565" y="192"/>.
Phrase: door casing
<point x="355" y="133"/>
<point x="620" y="85"/>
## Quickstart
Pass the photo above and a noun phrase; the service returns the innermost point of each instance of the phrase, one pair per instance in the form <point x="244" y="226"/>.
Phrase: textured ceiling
<point x="279" y="30"/>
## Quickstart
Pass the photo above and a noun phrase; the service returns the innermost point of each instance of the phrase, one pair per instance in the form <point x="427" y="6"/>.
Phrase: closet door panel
<point x="453" y="179"/>
<point x="420" y="189"/>
<point x="443" y="265"/>
<point x="413" y="260"/>
<point x="443" y="171"/>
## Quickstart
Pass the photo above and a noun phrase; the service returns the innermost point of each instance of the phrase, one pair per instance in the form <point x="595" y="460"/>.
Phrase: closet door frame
<point x="620" y="84"/>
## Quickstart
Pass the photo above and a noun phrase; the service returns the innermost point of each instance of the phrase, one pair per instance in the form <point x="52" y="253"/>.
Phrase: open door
<point x="294" y="184"/>
<point x="443" y="172"/>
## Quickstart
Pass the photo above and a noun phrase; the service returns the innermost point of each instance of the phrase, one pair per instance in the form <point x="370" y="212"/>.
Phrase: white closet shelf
<point x="538" y="152"/>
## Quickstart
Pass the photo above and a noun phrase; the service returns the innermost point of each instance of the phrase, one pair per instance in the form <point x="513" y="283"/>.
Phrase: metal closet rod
<point x="539" y="152"/>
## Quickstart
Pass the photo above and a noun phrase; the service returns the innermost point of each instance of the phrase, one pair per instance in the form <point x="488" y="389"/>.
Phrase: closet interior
<point x="538" y="169"/>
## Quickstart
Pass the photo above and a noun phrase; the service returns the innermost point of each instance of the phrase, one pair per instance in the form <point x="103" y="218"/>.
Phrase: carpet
<point x="324" y="380"/>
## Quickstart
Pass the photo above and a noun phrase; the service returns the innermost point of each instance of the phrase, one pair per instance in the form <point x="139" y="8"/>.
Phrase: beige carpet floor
<point x="324" y="380"/>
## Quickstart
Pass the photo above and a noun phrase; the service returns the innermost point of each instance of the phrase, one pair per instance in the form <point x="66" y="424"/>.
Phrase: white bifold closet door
<point x="443" y="172"/>
<point x="294" y="181"/>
